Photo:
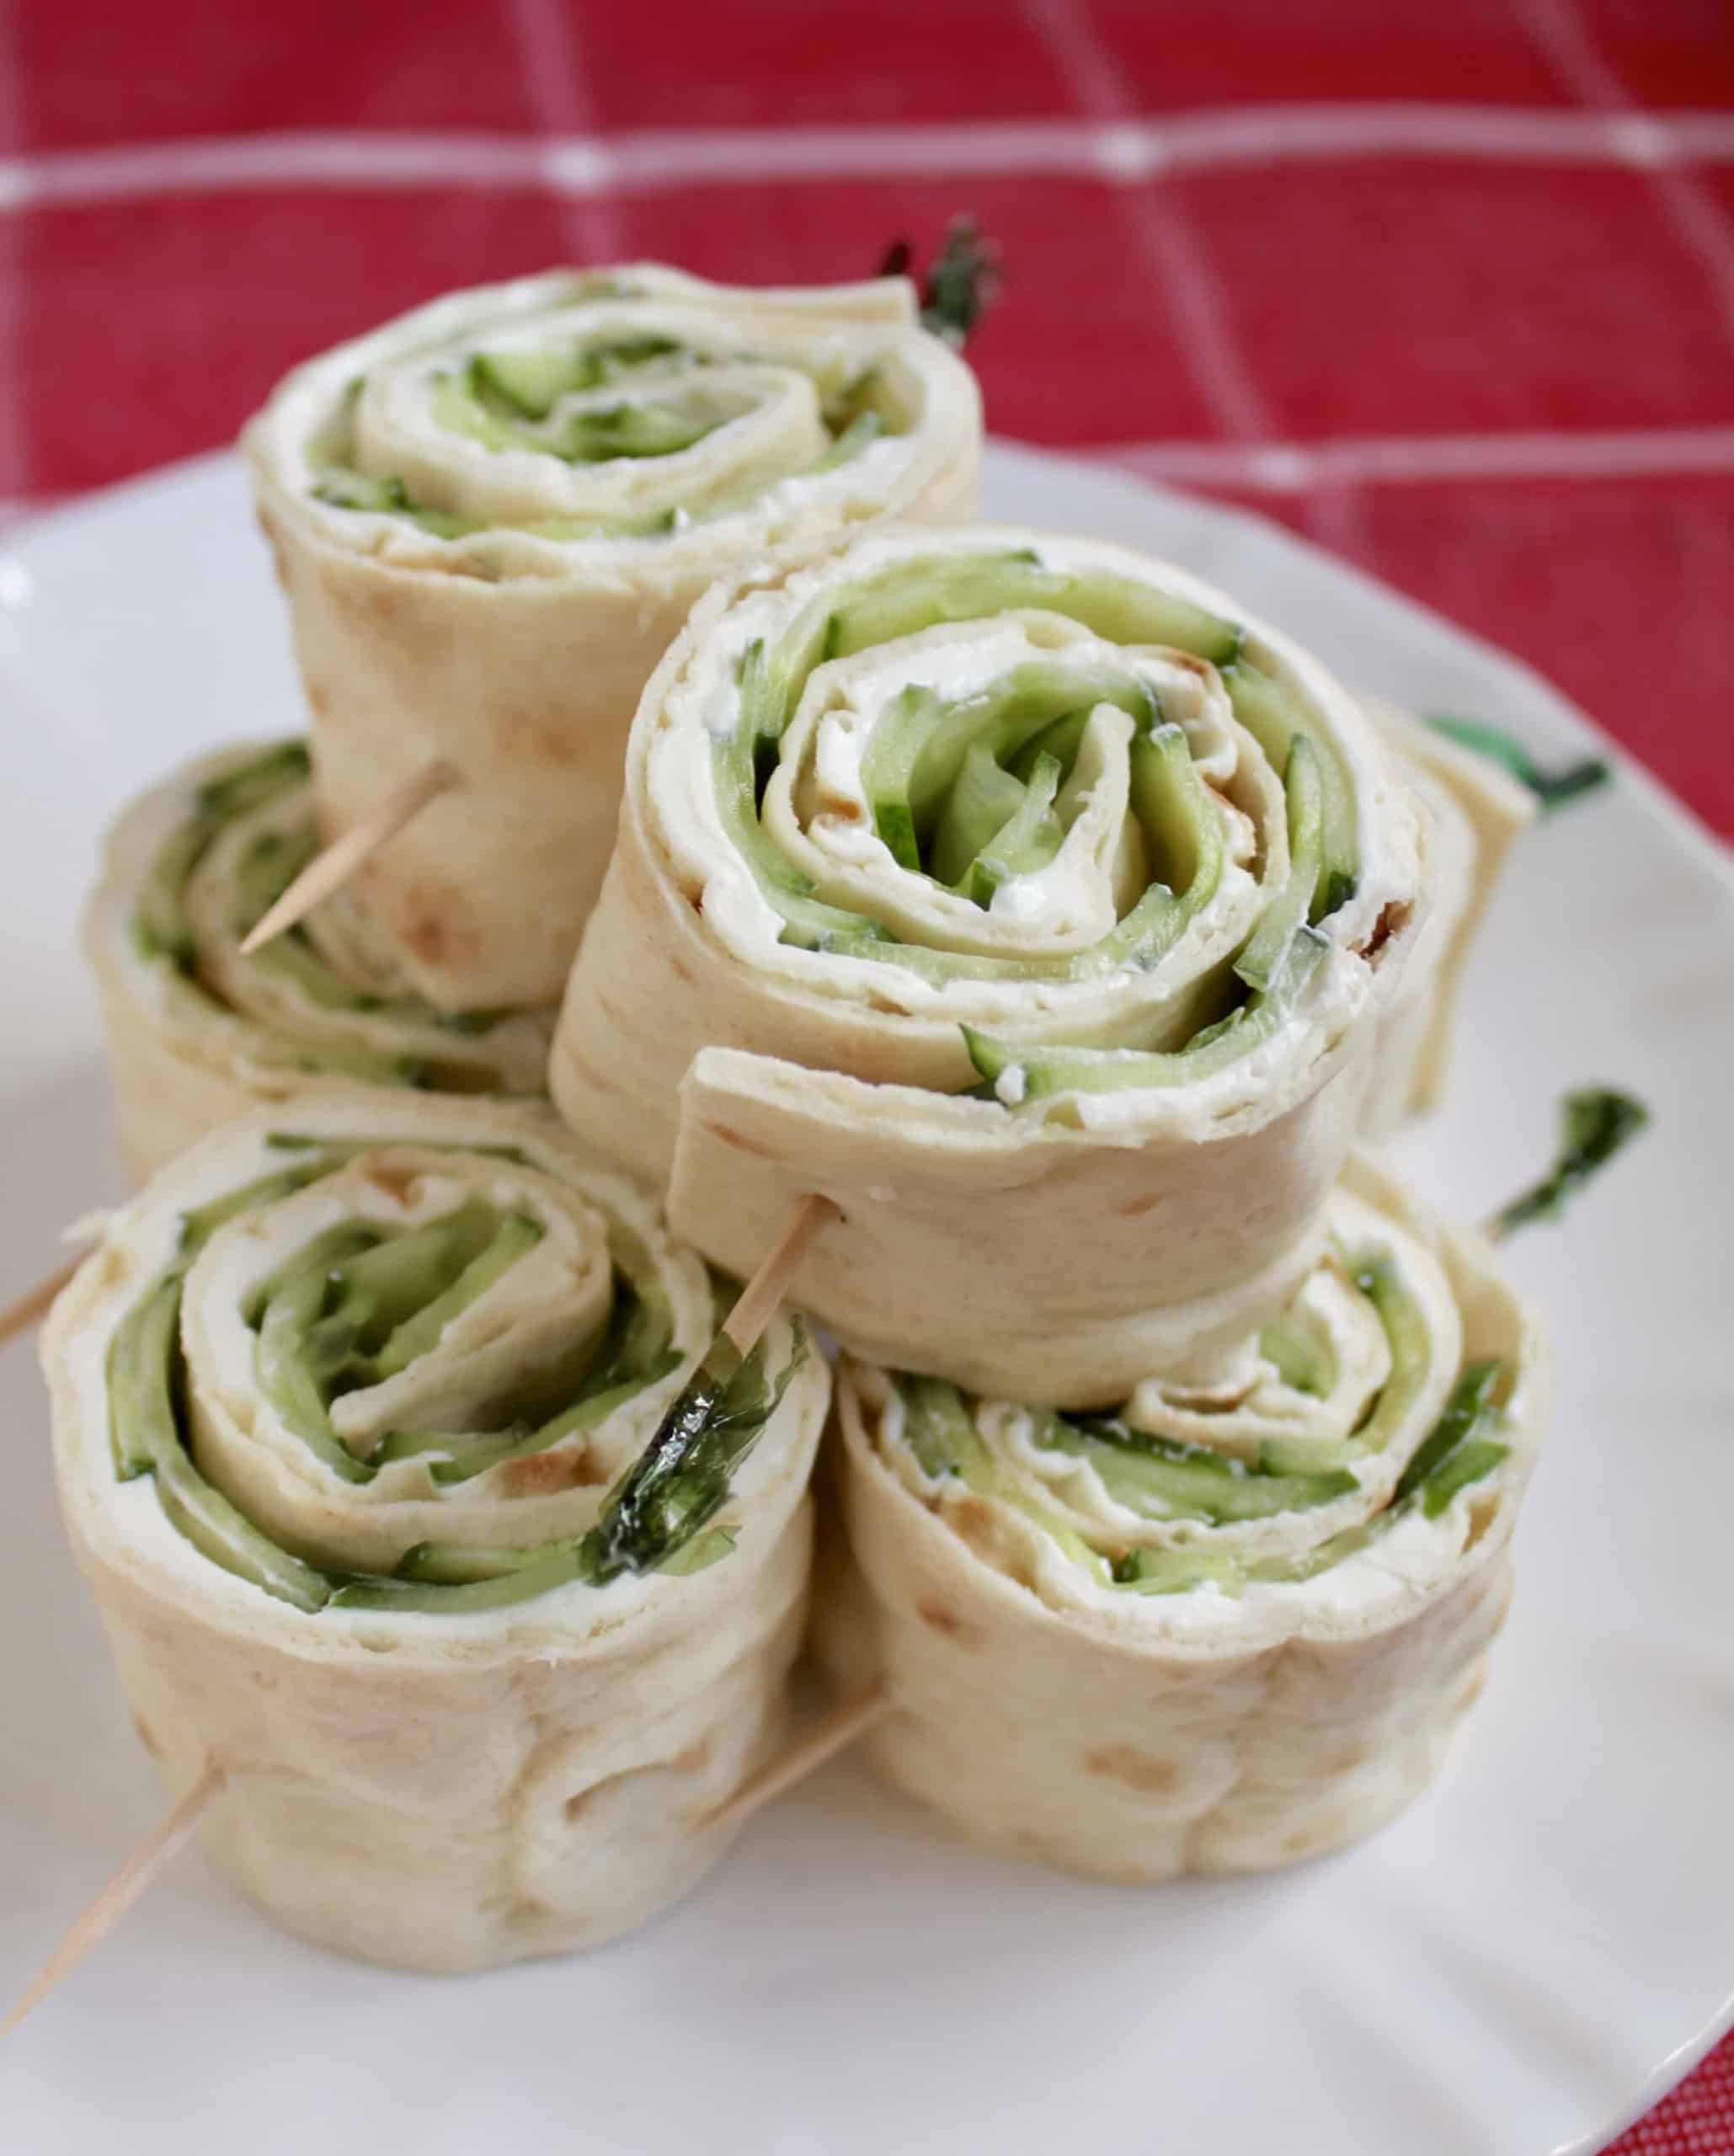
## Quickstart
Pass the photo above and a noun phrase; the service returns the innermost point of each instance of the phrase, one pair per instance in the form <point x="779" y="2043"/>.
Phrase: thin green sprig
<point x="1595" y="1124"/>
<point x="960" y="284"/>
<point x="1552" y="789"/>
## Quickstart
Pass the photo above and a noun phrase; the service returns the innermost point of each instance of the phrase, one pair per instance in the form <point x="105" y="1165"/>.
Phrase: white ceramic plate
<point x="1518" y="1966"/>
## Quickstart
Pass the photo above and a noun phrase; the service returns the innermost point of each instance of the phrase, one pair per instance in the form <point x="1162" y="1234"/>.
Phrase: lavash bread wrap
<point x="197" y="1031"/>
<point x="1219" y="1629"/>
<point x="1026" y="898"/>
<point x="342" y="1403"/>
<point x="491" y="516"/>
<point x="1474" y="812"/>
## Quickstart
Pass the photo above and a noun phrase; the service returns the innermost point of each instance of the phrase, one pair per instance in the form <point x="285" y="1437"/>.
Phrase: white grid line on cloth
<point x="1187" y="286"/>
<point x="1125" y="153"/>
<point x="555" y="89"/>
<point x="14" y="437"/>
<point x="1185" y="273"/>
<point x="1290" y="467"/>
<point x="1560" y="32"/>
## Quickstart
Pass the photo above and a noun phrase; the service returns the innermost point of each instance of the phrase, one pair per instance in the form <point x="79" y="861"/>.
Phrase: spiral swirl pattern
<point x="198" y="1032"/>
<point x="982" y="846"/>
<point x="491" y="518"/>
<point x="1249" y="1610"/>
<point x="494" y="431"/>
<point x="342" y="1404"/>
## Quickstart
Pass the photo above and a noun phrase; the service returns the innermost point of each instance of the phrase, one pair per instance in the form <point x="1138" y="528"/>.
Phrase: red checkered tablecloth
<point x="1448" y="287"/>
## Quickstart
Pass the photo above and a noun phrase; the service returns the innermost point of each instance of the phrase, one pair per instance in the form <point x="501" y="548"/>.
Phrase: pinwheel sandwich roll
<point x="1027" y="899"/>
<point x="1220" y="1628"/>
<point x="198" y="1032"/>
<point x="491" y="516"/>
<point x="1475" y="811"/>
<point x="345" y="1408"/>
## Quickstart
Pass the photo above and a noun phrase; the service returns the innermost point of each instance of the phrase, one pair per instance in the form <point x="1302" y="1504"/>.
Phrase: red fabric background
<point x="1448" y="287"/>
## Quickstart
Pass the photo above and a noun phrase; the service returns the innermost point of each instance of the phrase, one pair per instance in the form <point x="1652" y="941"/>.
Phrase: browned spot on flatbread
<point x="144" y="1737"/>
<point x="1139" y="1770"/>
<point x="537" y="737"/>
<point x="426" y="917"/>
<point x="944" y="1619"/>
<point x="318" y="698"/>
<point x="592" y="1073"/>
<point x="974" y="1520"/>
<point x="1135" y="1206"/>
<point x="543" y="1474"/>
<point x="741" y="1144"/>
<point x="392" y="1179"/>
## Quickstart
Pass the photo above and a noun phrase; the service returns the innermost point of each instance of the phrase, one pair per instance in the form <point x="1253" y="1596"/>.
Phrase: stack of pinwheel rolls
<point x="1021" y="895"/>
<point x="491" y="516"/>
<point x="1055" y="919"/>
<point x="346" y="1401"/>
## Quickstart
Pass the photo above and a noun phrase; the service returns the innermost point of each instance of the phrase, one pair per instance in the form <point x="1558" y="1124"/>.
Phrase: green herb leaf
<point x="681" y="1479"/>
<point x="1552" y="789"/>
<point x="961" y="282"/>
<point x="1595" y="1123"/>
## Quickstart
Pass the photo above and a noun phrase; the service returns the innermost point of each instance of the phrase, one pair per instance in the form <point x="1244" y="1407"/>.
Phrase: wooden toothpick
<point x="834" y="1729"/>
<point x="122" y="1891"/>
<point x="329" y="871"/>
<point x="764" y="1293"/>
<point x="19" y="1317"/>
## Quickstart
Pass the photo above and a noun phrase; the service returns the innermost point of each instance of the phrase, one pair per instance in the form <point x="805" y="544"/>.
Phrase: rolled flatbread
<point x="1219" y="1628"/>
<point x="198" y="1032"/>
<point x="491" y="516"/>
<point x="1474" y="813"/>
<point x="341" y="1404"/>
<point x="1025" y="898"/>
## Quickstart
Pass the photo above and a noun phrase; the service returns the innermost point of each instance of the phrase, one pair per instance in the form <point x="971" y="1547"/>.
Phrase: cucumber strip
<point x="1049" y="1070"/>
<point x="888" y="767"/>
<point x="1301" y="1357"/>
<point x="1471" y="1412"/>
<point x="143" y="1356"/>
<point x="557" y="1565"/>
<point x="919" y="595"/>
<point x="1470" y="1463"/>
<point x="1163" y="1480"/>
<point x="1028" y="841"/>
<point x="940" y="1433"/>
<point x="218" y="1530"/>
<point x="981" y="804"/>
<point x="865" y="428"/>
<point x="637" y="431"/>
<point x="144" y="1383"/>
<point x="465" y="1457"/>
<point x="1303" y="785"/>
<point x="201" y="1222"/>
<point x="515" y="1236"/>
<point x="1262" y="706"/>
<point x="527" y="384"/>
<point x="409" y="1268"/>
<point x="296" y="1377"/>
<point x="160" y="926"/>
